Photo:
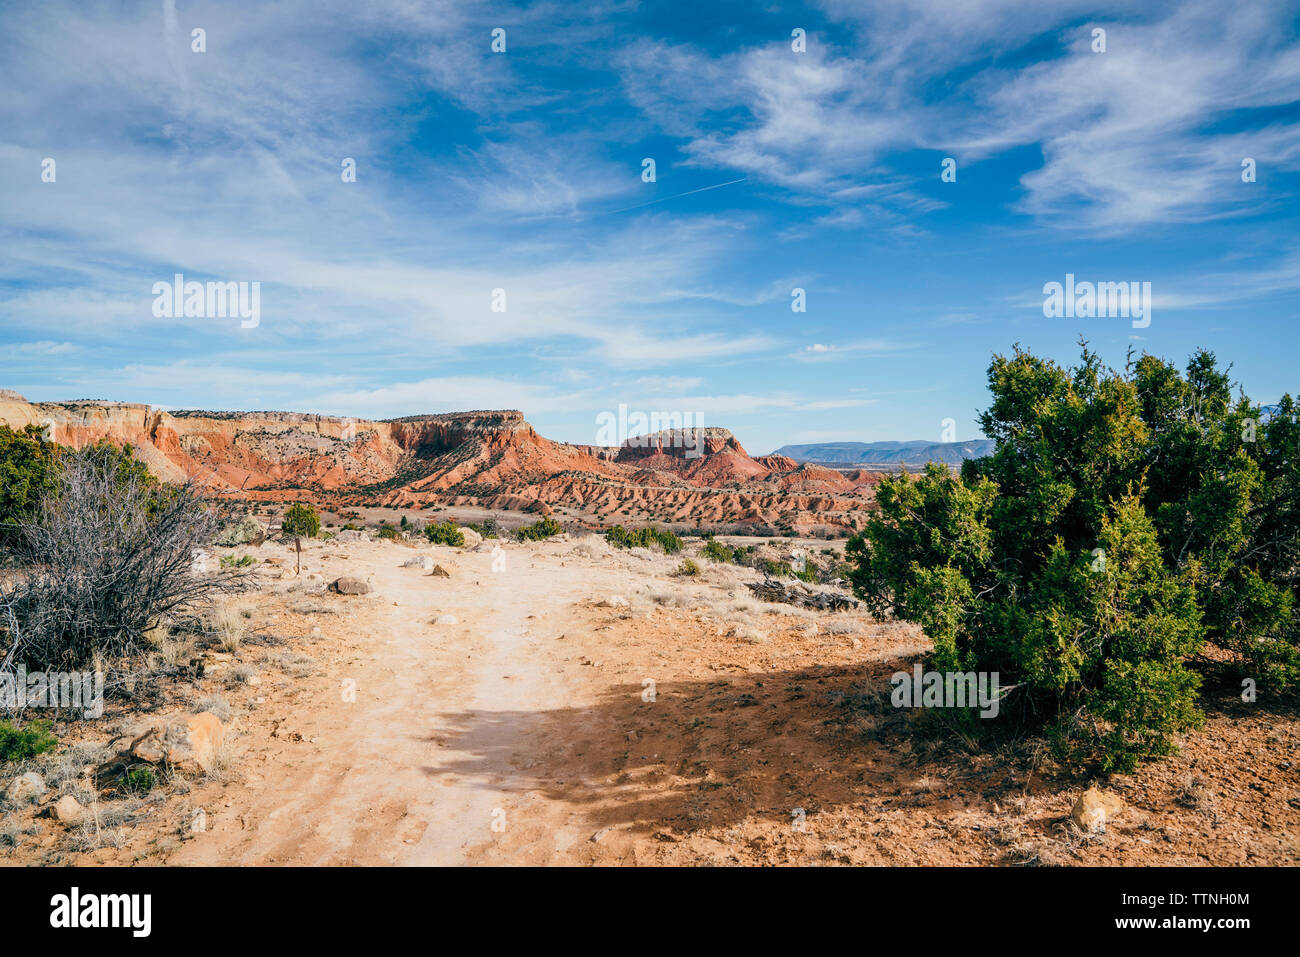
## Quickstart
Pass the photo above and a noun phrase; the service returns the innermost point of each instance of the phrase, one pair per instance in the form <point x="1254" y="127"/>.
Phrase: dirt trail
<point x="376" y="780"/>
<point x="522" y="734"/>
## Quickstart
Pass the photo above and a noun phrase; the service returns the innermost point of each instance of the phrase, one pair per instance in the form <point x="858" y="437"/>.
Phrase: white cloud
<point x="667" y="383"/>
<point x="44" y="349"/>
<point x="738" y="404"/>
<point x="449" y="394"/>
<point x="1127" y="136"/>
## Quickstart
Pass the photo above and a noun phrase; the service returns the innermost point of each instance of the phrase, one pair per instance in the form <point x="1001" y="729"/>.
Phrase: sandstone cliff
<point x="490" y="458"/>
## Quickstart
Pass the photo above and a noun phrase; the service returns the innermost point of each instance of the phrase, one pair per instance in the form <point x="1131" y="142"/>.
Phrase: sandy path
<point x="379" y="779"/>
<point x="532" y="713"/>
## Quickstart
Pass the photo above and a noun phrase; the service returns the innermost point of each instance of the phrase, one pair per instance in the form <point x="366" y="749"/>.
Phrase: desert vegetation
<point x="1125" y="520"/>
<point x="301" y="520"/>
<point x="101" y="573"/>
<point x="444" y="533"/>
<point x="648" y="536"/>
<point x="98" y="560"/>
<point x="539" y="531"/>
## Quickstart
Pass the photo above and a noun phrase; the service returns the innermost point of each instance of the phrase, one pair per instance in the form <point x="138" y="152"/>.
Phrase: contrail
<point x="702" y="189"/>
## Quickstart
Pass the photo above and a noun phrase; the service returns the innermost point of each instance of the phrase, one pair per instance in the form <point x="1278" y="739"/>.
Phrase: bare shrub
<point x="108" y="554"/>
<point x="104" y="825"/>
<point x="65" y="772"/>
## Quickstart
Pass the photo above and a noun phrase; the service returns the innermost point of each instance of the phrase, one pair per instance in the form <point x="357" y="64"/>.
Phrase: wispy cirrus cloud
<point x="826" y="123"/>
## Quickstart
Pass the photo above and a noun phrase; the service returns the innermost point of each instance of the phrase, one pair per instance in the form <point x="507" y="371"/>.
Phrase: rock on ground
<point x="351" y="586"/>
<point x="1094" y="808"/>
<point x="188" y="744"/>
<point x="26" y="787"/>
<point x="68" y="810"/>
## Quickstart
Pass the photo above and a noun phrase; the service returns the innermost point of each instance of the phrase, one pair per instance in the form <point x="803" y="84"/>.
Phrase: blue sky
<point x="522" y="171"/>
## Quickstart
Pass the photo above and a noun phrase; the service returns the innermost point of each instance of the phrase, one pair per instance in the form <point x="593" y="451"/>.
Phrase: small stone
<point x="446" y="620"/>
<point x="440" y="572"/>
<point x="68" y="810"/>
<point x="599" y="835"/>
<point x="26" y="788"/>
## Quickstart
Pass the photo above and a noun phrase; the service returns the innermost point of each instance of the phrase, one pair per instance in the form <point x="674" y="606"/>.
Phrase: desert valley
<point x="493" y="460"/>
<point x="375" y="695"/>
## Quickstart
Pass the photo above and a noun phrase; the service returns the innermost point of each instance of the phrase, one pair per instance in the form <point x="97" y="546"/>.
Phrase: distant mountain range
<point x="886" y="454"/>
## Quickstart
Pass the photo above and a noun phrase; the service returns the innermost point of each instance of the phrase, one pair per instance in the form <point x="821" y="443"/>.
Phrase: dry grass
<point x="230" y="623"/>
<point x="66" y="772"/>
<point x="222" y="769"/>
<point x="313" y="608"/>
<point x="173" y="650"/>
<point x="672" y="598"/>
<point x="294" y="664"/>
<point x="593" y="548"/>
<point x="1195" y="795"/>
<point x="746" y="631"/>
<point x="13" y="830"/>
<point x="239" y="675"/>
<point x="105" y="824"/>
<point x="215" y="703"/>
